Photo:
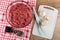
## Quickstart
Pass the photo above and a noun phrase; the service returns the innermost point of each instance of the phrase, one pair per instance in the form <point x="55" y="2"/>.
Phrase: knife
<point x="38" y="21"/>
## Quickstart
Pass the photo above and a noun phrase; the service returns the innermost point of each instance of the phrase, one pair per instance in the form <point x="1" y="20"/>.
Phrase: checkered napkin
<point x="3" y="22"/>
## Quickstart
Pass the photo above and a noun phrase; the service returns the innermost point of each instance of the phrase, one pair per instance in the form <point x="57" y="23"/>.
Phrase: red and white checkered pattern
<point x="3" y="22"/>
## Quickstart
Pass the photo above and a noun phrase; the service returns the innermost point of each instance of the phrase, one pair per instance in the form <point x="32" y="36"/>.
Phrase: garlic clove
<point x="47" y="18"/>
<point x="41" y="13"/>
<point x="44" y="22"/>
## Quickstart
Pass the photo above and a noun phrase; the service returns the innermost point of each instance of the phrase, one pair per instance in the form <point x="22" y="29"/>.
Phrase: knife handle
<point x="11" y="30"/>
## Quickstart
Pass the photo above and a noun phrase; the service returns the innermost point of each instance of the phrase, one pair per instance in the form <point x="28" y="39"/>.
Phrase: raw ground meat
<point x="19" y="14"/>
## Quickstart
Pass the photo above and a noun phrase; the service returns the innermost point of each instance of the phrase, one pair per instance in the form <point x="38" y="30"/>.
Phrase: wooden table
<point x="56" y="4"/>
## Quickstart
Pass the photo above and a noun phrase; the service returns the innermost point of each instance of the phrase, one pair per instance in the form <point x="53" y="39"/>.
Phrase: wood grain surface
<point x="56" y="4"/>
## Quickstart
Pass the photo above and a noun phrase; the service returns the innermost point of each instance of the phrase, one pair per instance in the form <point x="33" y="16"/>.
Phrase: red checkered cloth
<point x="3" y="22"/>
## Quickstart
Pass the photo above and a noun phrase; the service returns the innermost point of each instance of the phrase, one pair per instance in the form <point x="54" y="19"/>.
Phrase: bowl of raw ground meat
<point x="19" y="14"/>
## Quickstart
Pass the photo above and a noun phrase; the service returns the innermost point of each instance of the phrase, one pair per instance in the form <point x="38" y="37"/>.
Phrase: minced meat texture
<point x="20" y="15"/>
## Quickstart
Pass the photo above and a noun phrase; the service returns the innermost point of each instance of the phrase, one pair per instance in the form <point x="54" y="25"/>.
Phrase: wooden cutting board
<point x="56" y="4"/>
